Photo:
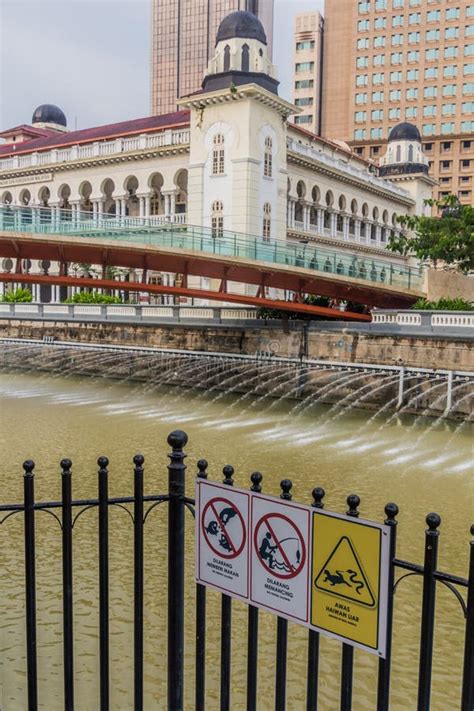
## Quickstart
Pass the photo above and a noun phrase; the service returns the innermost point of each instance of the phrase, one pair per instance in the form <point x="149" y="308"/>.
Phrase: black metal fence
<point x="68" y="510"/>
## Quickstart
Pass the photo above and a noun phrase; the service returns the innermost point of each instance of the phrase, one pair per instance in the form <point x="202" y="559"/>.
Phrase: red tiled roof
<point x="97" y="133"/>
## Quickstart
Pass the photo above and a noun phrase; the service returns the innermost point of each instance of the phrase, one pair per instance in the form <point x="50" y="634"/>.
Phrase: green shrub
<point x="18" y="296"/>
<point x="443" y="305"/>
<point x="93" y="297"/>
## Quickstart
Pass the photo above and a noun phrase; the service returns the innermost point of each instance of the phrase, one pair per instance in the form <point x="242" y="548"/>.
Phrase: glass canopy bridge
<point x="302" y="268"/>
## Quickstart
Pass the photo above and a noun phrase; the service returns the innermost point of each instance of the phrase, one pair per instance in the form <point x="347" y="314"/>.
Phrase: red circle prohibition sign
<point x="294" y="532"/>
<point x="235" y="548"/>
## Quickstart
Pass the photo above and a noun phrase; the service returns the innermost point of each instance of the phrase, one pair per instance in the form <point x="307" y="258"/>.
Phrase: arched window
<point x="267" y="222"/>
<point x="268" y="158"/>
<point x="410" y="154"/>
<point x="245" y="58"/>
<point x="226" y="58"/>
<point x="217" y="219"/>
<point x="218" y="155"/>
<point x="399" y="154"/>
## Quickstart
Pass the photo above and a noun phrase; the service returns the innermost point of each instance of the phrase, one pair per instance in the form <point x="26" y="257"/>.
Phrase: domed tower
<point x="49" y="116"/>
<point x="405" y="163"/>
<point x="404" y="153"/>
<point x="237" y="166"/>
<point x="241" y="55"/>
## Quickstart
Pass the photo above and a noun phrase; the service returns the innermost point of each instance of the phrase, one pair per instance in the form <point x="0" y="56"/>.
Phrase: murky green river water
<point x="421" y="467"/>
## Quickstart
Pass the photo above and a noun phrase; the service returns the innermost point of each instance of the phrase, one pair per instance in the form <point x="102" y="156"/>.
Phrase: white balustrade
<point x="121" y="311"/>
<point x="104" y="148"/>
<point x="87" y="310"/>
<point x="237" y="314"/>
<point x="27" y="308"/>
<point x="157" y="311"/>
<point x="55" y="309"/>
<point x="460" y="320"/>
<point x="195" y="313"/>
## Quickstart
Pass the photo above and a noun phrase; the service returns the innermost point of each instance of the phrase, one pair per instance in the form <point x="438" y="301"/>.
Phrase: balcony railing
<point x="97" y="149"/>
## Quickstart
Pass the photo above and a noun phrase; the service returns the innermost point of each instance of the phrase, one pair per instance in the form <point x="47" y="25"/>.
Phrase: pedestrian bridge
<point x="141" y="244"/>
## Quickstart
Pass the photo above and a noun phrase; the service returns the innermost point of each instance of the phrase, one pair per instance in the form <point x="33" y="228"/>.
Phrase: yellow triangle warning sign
<point x="342" y="575"/>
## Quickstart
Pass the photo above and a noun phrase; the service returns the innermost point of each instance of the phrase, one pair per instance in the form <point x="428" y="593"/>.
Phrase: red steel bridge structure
<point x="247" y="264"/>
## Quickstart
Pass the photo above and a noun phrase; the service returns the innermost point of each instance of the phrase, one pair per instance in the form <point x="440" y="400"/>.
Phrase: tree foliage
<point x="443" y="305"/>
<point x="447" y="239"/>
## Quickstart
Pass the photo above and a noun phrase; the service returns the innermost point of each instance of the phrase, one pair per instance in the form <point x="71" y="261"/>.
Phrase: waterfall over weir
<point x="255" y="381"/>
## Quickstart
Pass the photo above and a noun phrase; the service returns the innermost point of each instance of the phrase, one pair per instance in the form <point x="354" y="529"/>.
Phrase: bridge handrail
<point x="205" y="239"/>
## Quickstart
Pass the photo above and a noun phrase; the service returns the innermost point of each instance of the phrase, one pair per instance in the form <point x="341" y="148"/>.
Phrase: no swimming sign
<point x="317" y="568"/>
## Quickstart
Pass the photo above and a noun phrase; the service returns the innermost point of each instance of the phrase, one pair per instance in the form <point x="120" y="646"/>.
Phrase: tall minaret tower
<point x="238" y="170"/>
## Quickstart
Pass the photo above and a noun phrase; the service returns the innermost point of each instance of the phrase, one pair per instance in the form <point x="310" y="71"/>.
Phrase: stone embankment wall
<point x="345" y="345"/>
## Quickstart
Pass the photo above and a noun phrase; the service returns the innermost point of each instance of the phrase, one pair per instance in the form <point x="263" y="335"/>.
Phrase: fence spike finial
<point x="28" y="466"/>
<point x="318" y="494"/>
<point x="202" y="468"/>
<point x="228" y="472"/>
<point x="433" y="520"/>
<point x="103" y="462"/>
<point x="353" y="502"/>
<point x="138" y="460"/>
<point x="391" y="511"/>
<point x="286" y="485"/>
<point x="66" y="465"/>
<point x="256" y="479"/>
<point x="177" y="439"/>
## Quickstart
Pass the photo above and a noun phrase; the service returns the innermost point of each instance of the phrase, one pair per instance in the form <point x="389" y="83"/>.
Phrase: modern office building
<point x="307" y="53"/>
<point x="183" y="41"/>
<point x="389" y="61"/>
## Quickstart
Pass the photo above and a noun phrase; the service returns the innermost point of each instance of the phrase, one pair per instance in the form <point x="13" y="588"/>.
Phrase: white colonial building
<point x="229" y="160"/>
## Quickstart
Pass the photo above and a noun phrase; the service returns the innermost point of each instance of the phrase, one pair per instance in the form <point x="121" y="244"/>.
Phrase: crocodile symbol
<point x="337" y="578"/>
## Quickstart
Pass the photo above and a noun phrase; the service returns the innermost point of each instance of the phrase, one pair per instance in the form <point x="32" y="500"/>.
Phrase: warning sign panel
<point x="324" y="570"/>
<point x="279" y="557"/>
<point x="349" y="579"/>
<point x="222" y="537"/>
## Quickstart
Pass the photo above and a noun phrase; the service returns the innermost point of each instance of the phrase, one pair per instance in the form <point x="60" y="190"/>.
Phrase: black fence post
<point x="176" y="484"/>
<point x="103" y="463"/>
<point x="30" y="584"/>
<point x="252" y="641"/>
<point x="428" y="612"/>
<point x="138" y="460"/>
<point x="282" y="632"/>
<point x="226" y="625"/>
<point x="313" y="636"/>
<point x="383" y="690"/>
<point x="200" y="695"/>
<point x="68" y="635"/>
<point x="468" y="671"/>
<point x="353" y="502"/>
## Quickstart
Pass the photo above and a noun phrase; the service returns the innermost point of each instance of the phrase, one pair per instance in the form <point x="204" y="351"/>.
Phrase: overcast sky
<point x="92" y="57"/>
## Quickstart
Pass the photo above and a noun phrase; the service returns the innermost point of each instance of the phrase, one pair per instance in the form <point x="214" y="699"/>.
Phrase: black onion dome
<point x="241" y="24"/>
<point x="48" y="113"/>
<point x="404" y="132"/>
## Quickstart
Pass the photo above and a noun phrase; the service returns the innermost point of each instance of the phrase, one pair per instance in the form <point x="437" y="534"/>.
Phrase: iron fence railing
<point x="139" y="505"/>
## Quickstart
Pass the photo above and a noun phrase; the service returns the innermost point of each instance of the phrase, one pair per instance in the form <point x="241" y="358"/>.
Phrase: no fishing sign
<point x="317" y="568"/>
